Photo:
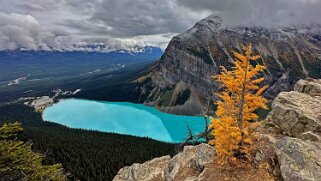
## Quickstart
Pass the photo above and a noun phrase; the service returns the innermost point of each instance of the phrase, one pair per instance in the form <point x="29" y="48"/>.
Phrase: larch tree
<point x="19" y="162"/>
<point x="234" y="122"/>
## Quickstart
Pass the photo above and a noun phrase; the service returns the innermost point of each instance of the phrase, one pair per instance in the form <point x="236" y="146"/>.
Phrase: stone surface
<point x="192" y="159"/>
<point x="310" y="136"/>
<point x="300" y="160"/>
<point x="153" y="170"/>
<point x="298" y="114"/>
<point x="184" y="165"/>
<point x="295" y="113"/>
<point x="309" y="86"/>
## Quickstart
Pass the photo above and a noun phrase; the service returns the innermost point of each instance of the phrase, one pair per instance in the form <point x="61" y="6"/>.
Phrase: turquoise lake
<point x="123" y="118"/>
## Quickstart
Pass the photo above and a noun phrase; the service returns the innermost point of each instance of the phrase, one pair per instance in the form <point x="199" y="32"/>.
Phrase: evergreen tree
<point x="18" y="161"/>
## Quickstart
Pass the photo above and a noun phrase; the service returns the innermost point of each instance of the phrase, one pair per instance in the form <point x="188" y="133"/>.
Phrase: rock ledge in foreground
<point x="183" y="166"/>
<point x="300" y="160"/>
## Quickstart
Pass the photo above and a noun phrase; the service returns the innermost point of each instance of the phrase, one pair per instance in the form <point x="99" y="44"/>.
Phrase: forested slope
<point x="87" y="155"/>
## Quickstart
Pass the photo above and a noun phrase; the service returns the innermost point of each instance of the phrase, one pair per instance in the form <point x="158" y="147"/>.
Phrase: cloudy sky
<point x="61" y="24"/>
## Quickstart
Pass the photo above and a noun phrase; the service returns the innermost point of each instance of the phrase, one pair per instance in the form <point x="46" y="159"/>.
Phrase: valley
<point x="32" y="74"/>
<point x="32" y="81"/>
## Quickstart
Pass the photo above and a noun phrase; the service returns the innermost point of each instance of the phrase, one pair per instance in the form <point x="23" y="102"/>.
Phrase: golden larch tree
<point x="234" y="121"/>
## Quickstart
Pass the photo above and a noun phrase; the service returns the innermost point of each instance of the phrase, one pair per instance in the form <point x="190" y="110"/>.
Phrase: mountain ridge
<point x="98" y="48"/>
<point x="289" y="53"/>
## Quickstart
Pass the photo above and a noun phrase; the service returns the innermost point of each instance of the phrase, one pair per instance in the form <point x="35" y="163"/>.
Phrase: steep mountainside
<point x="180" y="81"/>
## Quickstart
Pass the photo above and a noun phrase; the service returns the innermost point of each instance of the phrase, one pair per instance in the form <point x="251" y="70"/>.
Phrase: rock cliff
<point x="181" y="78"/>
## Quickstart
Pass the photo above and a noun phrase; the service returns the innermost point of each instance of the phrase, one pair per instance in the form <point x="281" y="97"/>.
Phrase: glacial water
<point x="124" y="118"/>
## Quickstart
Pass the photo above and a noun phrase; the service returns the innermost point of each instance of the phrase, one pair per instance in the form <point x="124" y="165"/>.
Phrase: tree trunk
<point x="241" y="106"/>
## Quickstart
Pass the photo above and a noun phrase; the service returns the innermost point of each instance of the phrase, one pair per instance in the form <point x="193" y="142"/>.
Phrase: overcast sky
<point x="60" y="24"/>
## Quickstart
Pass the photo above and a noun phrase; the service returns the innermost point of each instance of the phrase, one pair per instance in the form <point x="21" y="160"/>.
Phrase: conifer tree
<point x="234" y="121"/>
<point x="19" y="162"/>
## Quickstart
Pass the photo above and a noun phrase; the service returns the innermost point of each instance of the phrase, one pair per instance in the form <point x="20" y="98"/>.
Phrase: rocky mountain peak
<point x="213" y="22"/>
<point x="203" y="27"/>
<point x="192" y="57"/>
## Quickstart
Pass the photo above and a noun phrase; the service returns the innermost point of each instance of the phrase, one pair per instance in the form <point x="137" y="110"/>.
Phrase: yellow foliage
<point x="234" y="121"/>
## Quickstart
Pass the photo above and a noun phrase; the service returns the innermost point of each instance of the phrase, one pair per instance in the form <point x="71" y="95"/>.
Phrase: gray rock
<point x="295" y="113"/>
<point x="258" y="156"/>
<point x="299" y="159"/>
<point x="192" y="179"/>
<point x="298" y="114"/>
<point x="309" y="86"/>
<point x="192" y="160"/>
<point x="153" y="170"/>
<point x="310" y="136"/>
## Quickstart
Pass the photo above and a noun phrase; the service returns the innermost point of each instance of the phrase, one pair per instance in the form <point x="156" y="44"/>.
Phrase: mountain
<point x="180" y="81"/>
<point x="141" y="53"/>
<point x="26" y="73"/>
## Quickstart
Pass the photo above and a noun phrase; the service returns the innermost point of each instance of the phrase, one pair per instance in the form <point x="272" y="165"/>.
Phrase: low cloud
<point x="61" y="24"/>
<point x="141" y="17"/>
<point x="25" y="32"/>
<point x="22" y="31"/>
<point x="260" y="12"/>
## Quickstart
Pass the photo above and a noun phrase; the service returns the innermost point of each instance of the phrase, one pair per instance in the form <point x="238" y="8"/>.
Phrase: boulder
<point x="295" y="113"/>
<point x="310" y="136"/>
<point x="309" y="86"/>
<point x="298" y="114"/>
<point x="153" y="170"/>
<point x="185" y="165"/>
<point x="300" y="160"/>
<point x="192" y="159"/>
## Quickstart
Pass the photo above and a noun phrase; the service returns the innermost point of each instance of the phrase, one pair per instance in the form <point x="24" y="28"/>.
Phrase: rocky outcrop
<point x="196" y="163"/>
<point x="192" y="57"/>
<point x="151" y="170"/>
<point x="183" y="166"/>
<point x="298" y="113"/>
<point x="190" y="162"/>
<point x="300" y="160"/>
<point x="311" y="87"/>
